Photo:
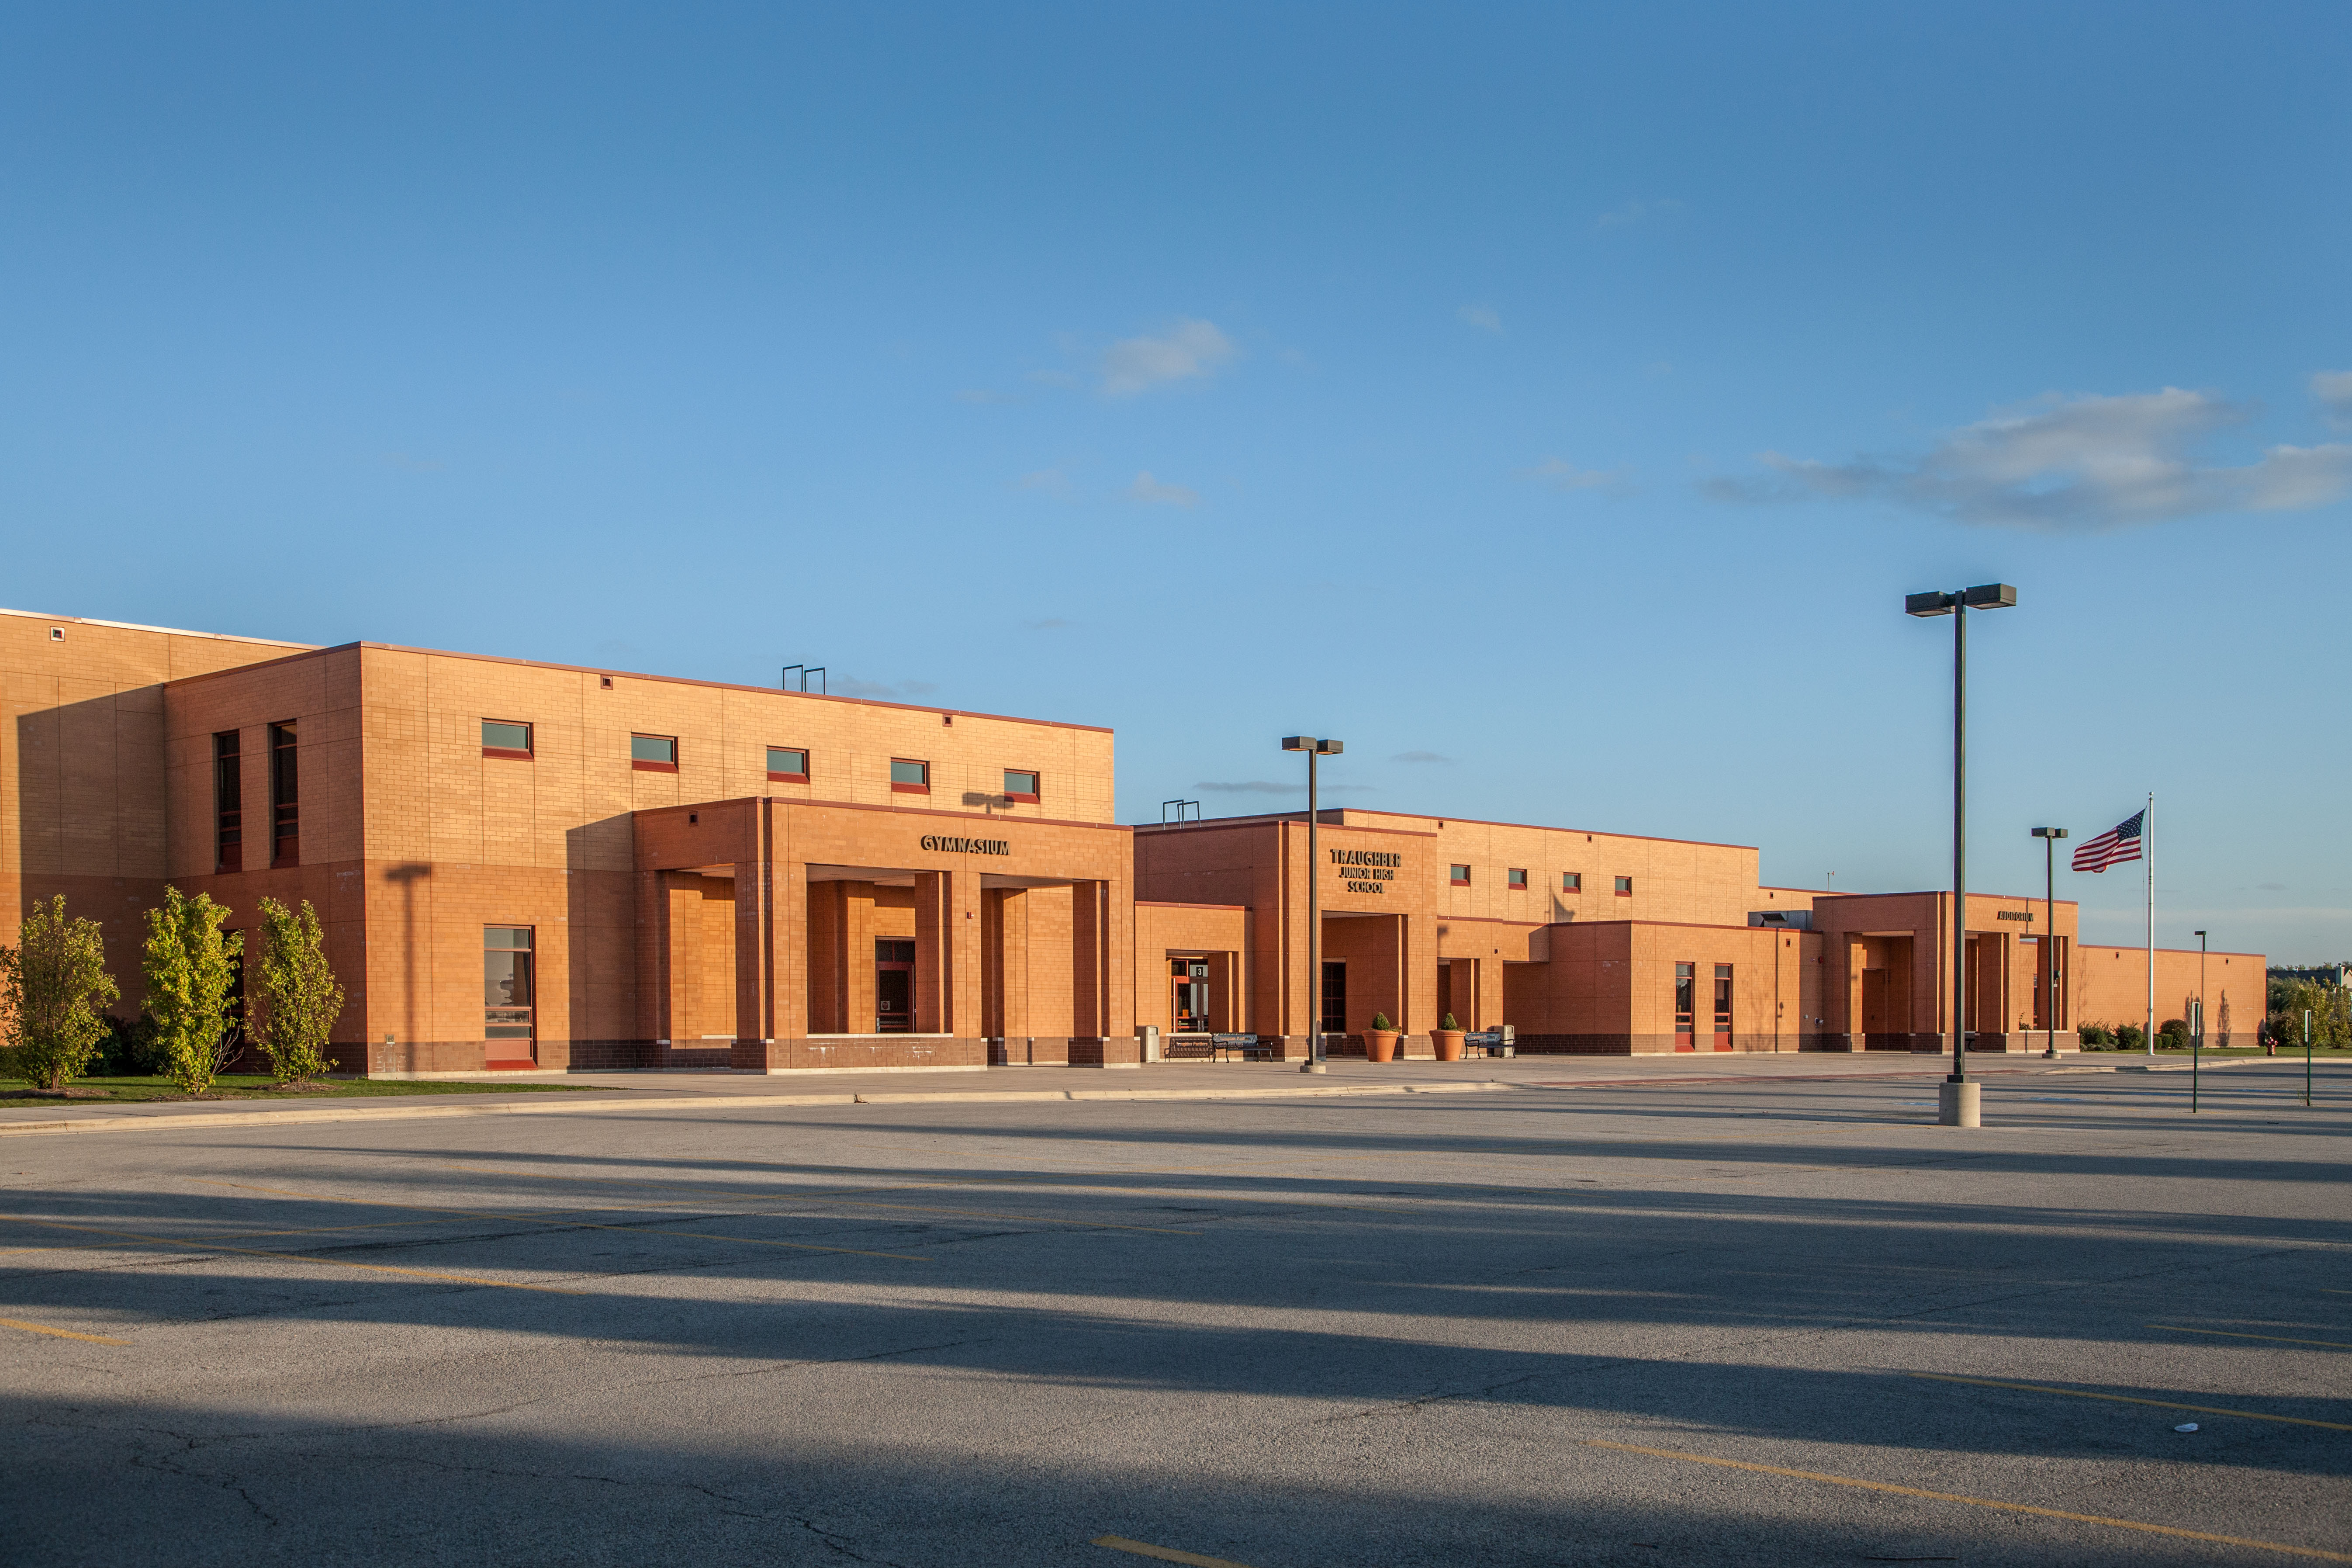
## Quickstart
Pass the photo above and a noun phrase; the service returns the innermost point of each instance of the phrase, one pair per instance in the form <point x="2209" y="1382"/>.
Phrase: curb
<point x="166" y="1121"/>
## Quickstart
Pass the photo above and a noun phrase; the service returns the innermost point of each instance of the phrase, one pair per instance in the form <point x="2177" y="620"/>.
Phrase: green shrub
<point x="1449" y="1023"/>
<point x="191" y="966"/>
<point x="2130" y="1037"/>
<point x="1381" y="1022"/>
<point x="2096" y="1038"/>
<point x="298" y="997"/>
<point x="53" y="983"/>
<point x="130" y="1049"/>
<point x="2172" y="1034"/>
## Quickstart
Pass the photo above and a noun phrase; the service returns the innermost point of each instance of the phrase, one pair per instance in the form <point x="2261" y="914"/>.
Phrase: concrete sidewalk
<point x="701" y="1090"/>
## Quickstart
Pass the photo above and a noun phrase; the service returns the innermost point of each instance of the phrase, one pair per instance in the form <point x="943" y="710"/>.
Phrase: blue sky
<point x="1554" y="404"/>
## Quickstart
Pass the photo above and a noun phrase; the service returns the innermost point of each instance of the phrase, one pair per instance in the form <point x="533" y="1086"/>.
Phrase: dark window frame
<point x="1571" y="881"/>
<point x="286" y="794"/>
<point x="898" y="788"/>
<point x="786" y="775"/>
<point x="1030" y="795"/>
<point x="646" y="765"/>
<point x="1624" y="889"/>
<point x="1515" y="878"/>
<point x="1457" y="876"/>
<point x="228" y="801"/>
<point x="526" y="752"/>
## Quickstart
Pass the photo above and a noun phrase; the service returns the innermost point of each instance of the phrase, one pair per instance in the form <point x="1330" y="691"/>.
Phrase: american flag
<point x="2113" y="847"/>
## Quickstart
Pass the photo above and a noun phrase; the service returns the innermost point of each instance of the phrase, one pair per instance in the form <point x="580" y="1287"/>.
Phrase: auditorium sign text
<point x="1365" y="870"/>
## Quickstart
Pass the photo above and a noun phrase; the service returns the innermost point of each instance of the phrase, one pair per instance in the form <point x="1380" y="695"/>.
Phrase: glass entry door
<point x="1190" y="1005"/>
<point x="1335" y="998"/>
<point x="893" y="986"/>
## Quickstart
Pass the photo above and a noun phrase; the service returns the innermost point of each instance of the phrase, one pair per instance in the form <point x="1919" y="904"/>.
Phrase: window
<point x="508" y="1010"/>
<point x="1686" y="984"/>
<point x="1518" y="879"/>
<point x="1020" y="786"/>
<point x="654" y="753"/>
<point x="1723" y="1006"/>
<point x="910" y="777"/>
<point x="1571" y="881"/>
<point x="285" y="797"/>
<point x="501" y="739"/>
<point x="1624" y="886"/>
<point x="787" y="764"/>
<point x="228" y="804"/>
<point x="1335" y="998"/>
<point x="1461" y="876"/>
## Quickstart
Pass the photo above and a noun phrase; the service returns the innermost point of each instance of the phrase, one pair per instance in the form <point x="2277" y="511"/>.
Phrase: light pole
<point x="1958" y="1101"/>
<point x="2050" y="837"/>
<point x="1314" y="749"/>
<point x="2197" y="1025"/>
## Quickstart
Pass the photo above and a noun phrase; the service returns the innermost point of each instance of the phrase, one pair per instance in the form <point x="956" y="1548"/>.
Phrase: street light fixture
<point x="2197" y="1025"/>
<point x="1958" y="1101"/>
<point x="2050" y="837"/>
<point x="1314" y="749"/>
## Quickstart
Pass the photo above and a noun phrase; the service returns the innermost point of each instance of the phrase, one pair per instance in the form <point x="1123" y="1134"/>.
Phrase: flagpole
<point x="2148" y="831"/>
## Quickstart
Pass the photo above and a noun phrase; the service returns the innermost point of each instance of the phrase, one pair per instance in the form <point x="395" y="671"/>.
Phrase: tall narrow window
<point x="510" y="1009"/>
<point x="1335" y="998"/>
<point x="1723" y="1006"/>
<point x="1685" y="984"/>
<point x="1020" y="785"/>
<point x="285" y="797"/>
<point x="654" y="753"/>
<point x="787" y="764"/>
<point x="910" y="777"/>
<point x="228" y="804"/>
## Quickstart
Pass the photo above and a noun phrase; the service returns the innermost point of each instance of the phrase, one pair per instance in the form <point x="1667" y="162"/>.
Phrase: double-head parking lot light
<point x="1314" y="749"/>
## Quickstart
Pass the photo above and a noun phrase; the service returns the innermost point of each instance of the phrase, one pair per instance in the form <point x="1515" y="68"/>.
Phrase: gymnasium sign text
<point x="946" y="845"/>
<point x="1365" y="870"/>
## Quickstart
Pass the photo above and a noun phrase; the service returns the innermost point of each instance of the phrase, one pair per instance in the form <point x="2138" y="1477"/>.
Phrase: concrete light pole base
<point x="1959" y="1104"/>
<point x="1311" y="1066"/>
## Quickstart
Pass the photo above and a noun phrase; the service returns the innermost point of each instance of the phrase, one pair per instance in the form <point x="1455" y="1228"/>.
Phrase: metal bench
<point x="1248" y="1046"/>
<point x="1502" y="1042"/>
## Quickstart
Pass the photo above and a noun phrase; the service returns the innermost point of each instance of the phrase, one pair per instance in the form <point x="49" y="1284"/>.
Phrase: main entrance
<point x="1190" y="1005"/>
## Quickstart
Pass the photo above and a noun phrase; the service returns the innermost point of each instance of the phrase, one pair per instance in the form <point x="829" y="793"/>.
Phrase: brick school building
<point x="533" y="867"/>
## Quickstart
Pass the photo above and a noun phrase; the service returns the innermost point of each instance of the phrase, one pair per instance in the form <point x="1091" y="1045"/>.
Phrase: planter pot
<point x="1380" y="1044"/>
<point x="1448" y="1043"/>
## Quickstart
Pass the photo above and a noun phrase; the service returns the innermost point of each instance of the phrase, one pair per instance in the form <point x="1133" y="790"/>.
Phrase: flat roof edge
<point x="161" y="631"/>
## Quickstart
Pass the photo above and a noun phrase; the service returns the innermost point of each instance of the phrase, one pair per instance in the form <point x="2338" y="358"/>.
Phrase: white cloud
<point x="1187" y="350"/>
<point x="1557" y="473"/>
<point x="1050" y="481"/>
<point x="1636" y="212"/>
<point x="2076" y="464"/>
<point x="2332" y="390"/>
<point x="1151" y="492"/>
<point x="1482" y="317"/>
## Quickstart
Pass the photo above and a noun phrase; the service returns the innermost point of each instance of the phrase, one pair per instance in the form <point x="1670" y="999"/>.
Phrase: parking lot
<point x="1755" y="1322"/>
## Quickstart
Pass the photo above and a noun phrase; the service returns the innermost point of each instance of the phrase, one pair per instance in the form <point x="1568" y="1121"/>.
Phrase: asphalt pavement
<point x="1721" y="1317"/>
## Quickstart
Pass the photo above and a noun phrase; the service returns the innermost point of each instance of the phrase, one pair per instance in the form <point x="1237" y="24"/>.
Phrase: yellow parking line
<point x="290" y="1256"/>
<point x="59" y="1334"/>
<point x="1165" y="1553"/>
<point x="2275" y="1339"/>
<point x="2127" y="1399"/>
<point x="542" y="1218"/>
<point x="1979" y="1503"/>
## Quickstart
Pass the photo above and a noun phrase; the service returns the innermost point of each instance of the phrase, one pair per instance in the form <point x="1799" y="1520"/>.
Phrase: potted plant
<point x="1381" y="1039"/>
<point x="1447" y="1039"/>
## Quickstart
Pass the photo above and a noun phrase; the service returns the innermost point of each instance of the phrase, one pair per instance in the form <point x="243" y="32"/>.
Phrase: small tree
<point x="191" y="966"/>
<point x="53" y="987"/>
<point x="299" y="999"/>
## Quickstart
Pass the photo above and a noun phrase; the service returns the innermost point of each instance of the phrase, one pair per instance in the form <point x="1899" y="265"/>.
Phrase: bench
<point x="1248" y="1046"/>
<point x="1502" y="1042"/>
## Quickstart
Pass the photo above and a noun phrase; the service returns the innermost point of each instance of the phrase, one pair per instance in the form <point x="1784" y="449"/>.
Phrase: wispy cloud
<point x="2079" y="464"/>
<point x="1270" y="787"/>
<point x="1188" y="350"/>
<point x="1648" y="210"/>
<point x="1047" y="482"/>
<point x="884" y="691"/>
<point x="1482" y="317"/>
<point x="1420" y="757"/>
<point x="1151" y="492"/>
<point x="1555" y="473"/>
<point x="2332" y="390"/>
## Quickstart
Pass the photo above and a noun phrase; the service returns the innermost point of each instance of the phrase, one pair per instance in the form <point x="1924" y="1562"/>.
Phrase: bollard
<point x="1959" y="1104"/>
